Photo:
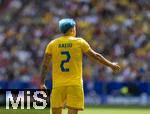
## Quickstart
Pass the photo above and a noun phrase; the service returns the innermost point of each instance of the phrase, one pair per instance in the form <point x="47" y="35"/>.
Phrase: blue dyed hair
<point x="66" y="24"/>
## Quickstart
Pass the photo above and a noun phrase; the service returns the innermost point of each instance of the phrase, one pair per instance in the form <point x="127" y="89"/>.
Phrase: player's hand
<point x="115" y="67"/>
<point x="43" y="87"/>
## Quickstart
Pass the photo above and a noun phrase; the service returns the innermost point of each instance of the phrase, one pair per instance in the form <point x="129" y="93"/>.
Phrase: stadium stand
<point x="118" y="29"/>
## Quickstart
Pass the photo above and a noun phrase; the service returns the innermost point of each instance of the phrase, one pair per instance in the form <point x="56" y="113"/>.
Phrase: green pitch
<point x="113" y="111"/>
<point x="86" y="111"/>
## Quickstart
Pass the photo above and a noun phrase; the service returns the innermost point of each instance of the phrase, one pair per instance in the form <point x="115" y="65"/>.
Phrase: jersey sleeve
<point x="49" y="48"/>
<point x="84" y="45"/>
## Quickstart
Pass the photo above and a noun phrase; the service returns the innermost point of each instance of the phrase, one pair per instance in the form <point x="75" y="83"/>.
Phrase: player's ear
<point x="72" y="29"/>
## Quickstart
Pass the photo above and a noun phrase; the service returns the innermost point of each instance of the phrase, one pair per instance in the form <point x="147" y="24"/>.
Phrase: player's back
<point x="66" y="54"/>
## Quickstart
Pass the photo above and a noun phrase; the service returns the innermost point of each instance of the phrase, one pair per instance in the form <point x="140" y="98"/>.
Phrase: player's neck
<point x="69" y="34"/>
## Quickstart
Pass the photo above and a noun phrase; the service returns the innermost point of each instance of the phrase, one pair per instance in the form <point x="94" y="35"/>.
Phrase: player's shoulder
<point x="55" y="39"/>
<point x="79" y="39"/>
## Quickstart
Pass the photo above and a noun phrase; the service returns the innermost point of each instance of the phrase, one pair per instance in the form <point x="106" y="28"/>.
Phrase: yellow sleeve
<point x="84" y="45"/>
<point x="49" y="48"/>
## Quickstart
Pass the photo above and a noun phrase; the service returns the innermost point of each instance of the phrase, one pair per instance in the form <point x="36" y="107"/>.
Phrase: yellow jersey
<point x="66" y="52"/>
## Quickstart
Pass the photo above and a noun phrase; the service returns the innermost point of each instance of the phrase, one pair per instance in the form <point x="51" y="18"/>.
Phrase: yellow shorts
<point x="69" y="96"/>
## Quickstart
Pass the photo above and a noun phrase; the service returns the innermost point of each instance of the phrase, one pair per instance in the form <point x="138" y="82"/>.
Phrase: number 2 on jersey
<point x="67" y="54"/>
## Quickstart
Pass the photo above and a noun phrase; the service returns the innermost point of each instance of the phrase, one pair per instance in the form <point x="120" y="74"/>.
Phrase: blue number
<point x="67" y="54"/>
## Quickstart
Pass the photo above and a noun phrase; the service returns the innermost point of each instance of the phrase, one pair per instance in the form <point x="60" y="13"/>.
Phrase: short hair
<point x="66" y="24"/>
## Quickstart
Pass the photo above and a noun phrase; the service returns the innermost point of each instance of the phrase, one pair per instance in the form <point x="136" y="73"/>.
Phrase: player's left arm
<point x="44" y="69"/>
<point x="98" y="57"/>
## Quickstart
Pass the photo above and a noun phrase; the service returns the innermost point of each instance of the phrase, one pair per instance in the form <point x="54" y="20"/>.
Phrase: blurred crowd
<point x="118" y="29"/>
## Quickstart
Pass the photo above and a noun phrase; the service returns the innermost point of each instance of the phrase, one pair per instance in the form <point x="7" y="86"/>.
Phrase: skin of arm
<point x="44" y="69"/>
<point x="99" y="58"/>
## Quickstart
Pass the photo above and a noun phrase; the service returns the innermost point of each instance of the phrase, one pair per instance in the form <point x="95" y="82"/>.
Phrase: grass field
<point x="86" y="111"/>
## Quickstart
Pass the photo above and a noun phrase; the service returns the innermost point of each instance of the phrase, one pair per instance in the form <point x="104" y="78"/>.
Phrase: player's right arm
<point x="46" y="64"/>
<point x="98" y="57"/>
<point x="44" y="69"/>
